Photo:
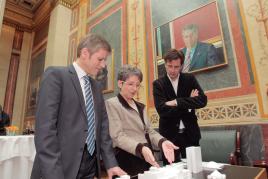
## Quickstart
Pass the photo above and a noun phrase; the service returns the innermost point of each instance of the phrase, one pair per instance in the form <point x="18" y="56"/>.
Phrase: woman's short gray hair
<point x="127" y="70"/>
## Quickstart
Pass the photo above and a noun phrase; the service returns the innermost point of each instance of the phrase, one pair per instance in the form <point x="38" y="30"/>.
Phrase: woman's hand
<point x="168" y="150"/>
<point x="148" y="156"/>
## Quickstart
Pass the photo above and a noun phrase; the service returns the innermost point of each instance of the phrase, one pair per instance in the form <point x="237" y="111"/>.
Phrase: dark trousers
<point x="182" y="141"/>
<point x="130" y="163"/>
<point x="88" y="165"/>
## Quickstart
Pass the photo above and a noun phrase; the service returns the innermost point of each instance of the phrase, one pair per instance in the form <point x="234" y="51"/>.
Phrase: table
<point x="261" y="163"/>
<point x="236" y="172"/>
<point x="16" y="156"/>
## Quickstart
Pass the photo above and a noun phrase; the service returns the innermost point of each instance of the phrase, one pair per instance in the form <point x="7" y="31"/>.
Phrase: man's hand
<point x="168" y="149"/>
<point x="194" y="93"/>
<point x="171" y="103"/>
<point x="115" y="171"/>
<point x="148" y="156"/>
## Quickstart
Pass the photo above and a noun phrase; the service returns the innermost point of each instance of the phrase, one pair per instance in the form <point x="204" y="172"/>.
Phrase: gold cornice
<point x="67" y="3"/>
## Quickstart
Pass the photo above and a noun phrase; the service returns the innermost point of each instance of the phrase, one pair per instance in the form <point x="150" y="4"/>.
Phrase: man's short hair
<point x="191" y="27"/>
<point x="174" y="54"/>
<point x="93" y="43"/>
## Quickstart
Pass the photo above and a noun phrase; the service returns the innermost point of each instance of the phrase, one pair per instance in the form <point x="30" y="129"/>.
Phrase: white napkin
<point x="212" y="165"/>
<point x="216" y="175"/>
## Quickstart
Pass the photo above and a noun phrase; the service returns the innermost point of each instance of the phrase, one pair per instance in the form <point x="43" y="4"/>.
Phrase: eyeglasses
<point x="132" y="85"/>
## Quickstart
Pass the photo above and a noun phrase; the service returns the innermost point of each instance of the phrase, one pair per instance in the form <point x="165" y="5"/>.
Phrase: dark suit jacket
<point x="205" y="55"/>
<point x="61" y="126"/>
<point x="170" y="117"/>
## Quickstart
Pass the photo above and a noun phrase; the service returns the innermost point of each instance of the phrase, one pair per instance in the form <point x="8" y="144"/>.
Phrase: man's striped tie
<point x="90" y="116"/>
<point x="187" y="62"/>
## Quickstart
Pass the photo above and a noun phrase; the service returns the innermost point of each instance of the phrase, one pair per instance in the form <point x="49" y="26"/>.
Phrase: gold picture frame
<point x="210" y="51"/>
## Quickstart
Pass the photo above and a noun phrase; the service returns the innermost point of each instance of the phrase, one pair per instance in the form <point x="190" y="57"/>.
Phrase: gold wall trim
<point x="67" y="3"/>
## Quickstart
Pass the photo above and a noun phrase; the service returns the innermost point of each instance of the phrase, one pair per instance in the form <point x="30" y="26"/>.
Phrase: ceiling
<point x="30" y="14"/>
<point x="30" y="5"/>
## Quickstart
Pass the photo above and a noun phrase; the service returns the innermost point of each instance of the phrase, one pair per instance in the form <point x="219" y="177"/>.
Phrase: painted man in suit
<point x="198" y="55"/>
<point x="176" y="96"/>
<point x="63" y="150"/>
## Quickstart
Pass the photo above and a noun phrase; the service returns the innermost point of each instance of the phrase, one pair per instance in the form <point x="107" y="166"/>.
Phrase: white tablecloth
<point x="16" y="157"/>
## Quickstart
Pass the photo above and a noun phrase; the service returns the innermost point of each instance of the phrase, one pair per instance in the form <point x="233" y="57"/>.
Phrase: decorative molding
<point x="258" y="12"/>
<point x="254" y="18"/>
<point x="18" y="19"/>
<point x="74" y="18"/>
<point x="137" y="43"/>
<point x="219" y="114"/>
<point x="73" y="41"/>
<point x="24" y="19"/>
<point x="97" y="13"/>
<point x="29" y="5"/>
<point x="16" y="26"/>
<point x="42" y="15"/>
<point x="67" y="3"/>
<point x="229" y="112"/>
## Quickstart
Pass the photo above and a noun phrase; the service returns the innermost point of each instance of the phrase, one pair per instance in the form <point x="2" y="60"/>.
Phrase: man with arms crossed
<point x="176" y="96"/>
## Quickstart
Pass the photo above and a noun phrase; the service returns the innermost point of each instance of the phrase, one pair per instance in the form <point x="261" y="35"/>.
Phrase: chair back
<point x="218" y="145"/>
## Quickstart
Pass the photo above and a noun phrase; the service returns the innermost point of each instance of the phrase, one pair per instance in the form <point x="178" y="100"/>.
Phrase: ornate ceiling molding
<point x="25" y="18"/>
<point x="17" y="17"/>
<point x="29" y="15"/>
<point x="30" y="5"/>
<point x="67" y="3"/>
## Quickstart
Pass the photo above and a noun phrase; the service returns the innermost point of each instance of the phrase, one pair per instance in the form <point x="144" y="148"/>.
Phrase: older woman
<point x="132" y="134"/>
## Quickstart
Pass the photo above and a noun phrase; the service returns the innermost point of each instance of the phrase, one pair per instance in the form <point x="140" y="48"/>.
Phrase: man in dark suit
<point x="64" y="149"/>
<point x="198" y="55"/>
<point x="176" y="96"/>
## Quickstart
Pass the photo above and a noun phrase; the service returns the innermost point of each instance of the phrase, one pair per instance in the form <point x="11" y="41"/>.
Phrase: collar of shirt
<point x="174" y="83"/>
<point x="125" y="104"/>
<point x="80" y="73"/>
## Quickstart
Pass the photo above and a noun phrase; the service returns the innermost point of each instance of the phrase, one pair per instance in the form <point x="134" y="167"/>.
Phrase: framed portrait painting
<point x="198" y="34"/>
<point x="106" y="75"/>
<point x="36" y="71"/>
<point x="34" y="88"/>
